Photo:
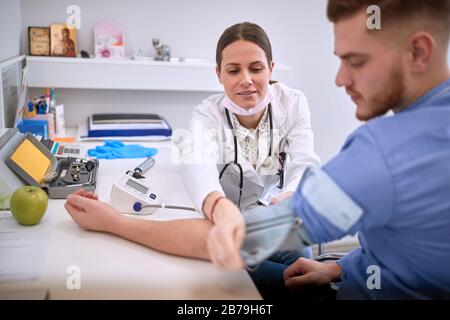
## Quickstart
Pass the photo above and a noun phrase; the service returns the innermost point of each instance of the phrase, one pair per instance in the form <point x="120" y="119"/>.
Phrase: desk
<point x="114" y="268"/>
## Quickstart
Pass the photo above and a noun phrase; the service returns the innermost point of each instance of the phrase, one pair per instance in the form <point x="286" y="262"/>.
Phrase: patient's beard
<point x="389" y="96"/>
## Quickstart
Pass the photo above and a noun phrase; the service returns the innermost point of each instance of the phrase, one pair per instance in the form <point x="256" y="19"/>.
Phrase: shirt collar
<point x="436" y="96"/>
<point x="262" y="125"/>
<point x="243" y="131"/>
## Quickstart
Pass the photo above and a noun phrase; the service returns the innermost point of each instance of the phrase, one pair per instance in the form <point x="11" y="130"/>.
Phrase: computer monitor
<point x="13" y="90"/>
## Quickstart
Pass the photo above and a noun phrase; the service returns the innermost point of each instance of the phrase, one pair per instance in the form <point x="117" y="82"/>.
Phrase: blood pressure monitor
<point x="131" y="195"/>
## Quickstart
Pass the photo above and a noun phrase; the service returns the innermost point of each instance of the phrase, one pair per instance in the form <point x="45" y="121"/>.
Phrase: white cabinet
<point x="146" y="74"/>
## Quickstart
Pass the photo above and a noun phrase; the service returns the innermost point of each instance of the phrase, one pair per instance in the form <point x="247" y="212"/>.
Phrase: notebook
<point x="114" y="118"/>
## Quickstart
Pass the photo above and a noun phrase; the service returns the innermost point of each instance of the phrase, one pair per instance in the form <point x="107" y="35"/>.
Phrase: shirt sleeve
<point x="300" y="143"/>
<point x="198" y="156"/>
<point x="361" y="174"/>
<point x="349" y="258"/>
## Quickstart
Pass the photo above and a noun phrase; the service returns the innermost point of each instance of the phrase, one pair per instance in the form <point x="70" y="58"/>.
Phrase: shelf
<point x="146" y="74"/>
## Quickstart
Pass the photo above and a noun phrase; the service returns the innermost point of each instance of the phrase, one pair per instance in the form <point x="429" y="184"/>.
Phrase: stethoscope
<point x="282" y="156"/>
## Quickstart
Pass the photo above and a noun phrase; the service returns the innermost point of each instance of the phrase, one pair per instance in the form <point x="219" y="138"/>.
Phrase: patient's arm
<point x="185" y="237"/>
<point x="179" y="237"/>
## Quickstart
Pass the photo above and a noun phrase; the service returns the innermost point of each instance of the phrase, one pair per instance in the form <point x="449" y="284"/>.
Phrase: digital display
<point x="136" y="186"/>
<point x="31" y="160"/>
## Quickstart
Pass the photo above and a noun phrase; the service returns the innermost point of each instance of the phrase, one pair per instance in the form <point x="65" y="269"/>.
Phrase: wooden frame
<point x="39" y="41"/>
<point x="63" y="40"/>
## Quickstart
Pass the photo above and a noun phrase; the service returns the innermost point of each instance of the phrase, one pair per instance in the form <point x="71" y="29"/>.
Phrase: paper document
<point x="82" y="135"/>
<point x="22" y="96"/>
<point x="23" y="249"/>
<point x="127" y="126"/>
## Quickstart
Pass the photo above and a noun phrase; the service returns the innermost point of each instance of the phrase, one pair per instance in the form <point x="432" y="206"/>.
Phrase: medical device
<point x="276" y="188"/>
<point x="34" y="164"/>
<point x="272" y="228"/>
<point x="132" y="193"/>
<point x="235" y="162"/>
<point x="272" y="190"/>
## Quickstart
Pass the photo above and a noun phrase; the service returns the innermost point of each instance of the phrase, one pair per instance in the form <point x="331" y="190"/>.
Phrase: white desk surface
<point x="114" y="268"/>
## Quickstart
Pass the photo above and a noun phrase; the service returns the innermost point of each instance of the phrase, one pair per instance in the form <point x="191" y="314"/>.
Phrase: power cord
<point x="138" y="207"/>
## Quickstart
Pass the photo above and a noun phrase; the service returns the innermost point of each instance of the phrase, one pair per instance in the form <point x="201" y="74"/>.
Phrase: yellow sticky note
<point x="31" y="160"/>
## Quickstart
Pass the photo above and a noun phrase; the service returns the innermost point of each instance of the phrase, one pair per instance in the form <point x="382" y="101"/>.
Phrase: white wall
<point x="300" y="33"/>
<point x="10" y="26"/>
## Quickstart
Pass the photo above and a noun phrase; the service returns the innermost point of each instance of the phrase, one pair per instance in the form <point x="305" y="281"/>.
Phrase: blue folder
<point x="166" y="132"/>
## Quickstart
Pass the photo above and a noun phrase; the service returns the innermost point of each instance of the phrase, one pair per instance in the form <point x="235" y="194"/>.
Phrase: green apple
<point x="28" y="205"/>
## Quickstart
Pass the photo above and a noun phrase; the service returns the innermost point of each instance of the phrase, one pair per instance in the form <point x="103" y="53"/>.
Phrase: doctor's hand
<point x="305" y="274"/>
<point x="226" y="237"/>
<point x="91" y="214"/>
<point x="282" y="196"/>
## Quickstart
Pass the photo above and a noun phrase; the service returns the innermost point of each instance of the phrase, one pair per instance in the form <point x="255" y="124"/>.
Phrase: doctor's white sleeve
<point x="198" y="151"/>
<point x="300" y="142"/>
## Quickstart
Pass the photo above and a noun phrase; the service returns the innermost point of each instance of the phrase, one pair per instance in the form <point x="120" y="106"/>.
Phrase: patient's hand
<point x="91" y="214"/>
<point x="306" y="274"/>
<point x="86" y="194"/>
<point x="281" y="197"/>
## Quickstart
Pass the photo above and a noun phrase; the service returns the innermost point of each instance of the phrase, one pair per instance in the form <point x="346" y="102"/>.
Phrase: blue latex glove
<point x="117" y="150"/>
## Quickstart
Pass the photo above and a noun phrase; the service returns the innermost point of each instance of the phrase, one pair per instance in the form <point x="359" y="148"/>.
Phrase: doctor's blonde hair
<point x="244" y="31"/>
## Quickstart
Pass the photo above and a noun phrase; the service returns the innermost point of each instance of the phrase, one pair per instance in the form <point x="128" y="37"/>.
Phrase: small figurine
<point x="162" y="50"/>
<point x="138" y="53"/>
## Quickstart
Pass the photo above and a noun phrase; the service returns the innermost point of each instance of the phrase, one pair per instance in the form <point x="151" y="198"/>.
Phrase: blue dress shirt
<point x="397" y="169"/>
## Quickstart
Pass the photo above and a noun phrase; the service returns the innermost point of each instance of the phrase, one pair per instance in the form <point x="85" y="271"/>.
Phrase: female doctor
<point x="254" y="144"/>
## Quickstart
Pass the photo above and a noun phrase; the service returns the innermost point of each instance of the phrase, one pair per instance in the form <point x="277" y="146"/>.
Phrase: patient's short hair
<point x="433" y="14"/>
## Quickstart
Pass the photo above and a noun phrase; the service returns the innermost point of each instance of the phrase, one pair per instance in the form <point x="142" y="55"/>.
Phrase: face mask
<point x="230" y="105"/>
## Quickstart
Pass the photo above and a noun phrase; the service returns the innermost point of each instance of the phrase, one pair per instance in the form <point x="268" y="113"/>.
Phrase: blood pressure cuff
<point x="272" y="228"/>
<point x="278" y="227"/>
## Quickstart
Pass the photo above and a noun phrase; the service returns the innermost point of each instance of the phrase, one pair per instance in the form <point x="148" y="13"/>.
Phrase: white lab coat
<point x="209" y="145"/>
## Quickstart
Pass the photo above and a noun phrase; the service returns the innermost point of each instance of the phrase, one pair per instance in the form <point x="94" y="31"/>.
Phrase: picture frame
<point x="39" y="41"/>
<point x="63" y="40"/>
<point x="109" y="40"/>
